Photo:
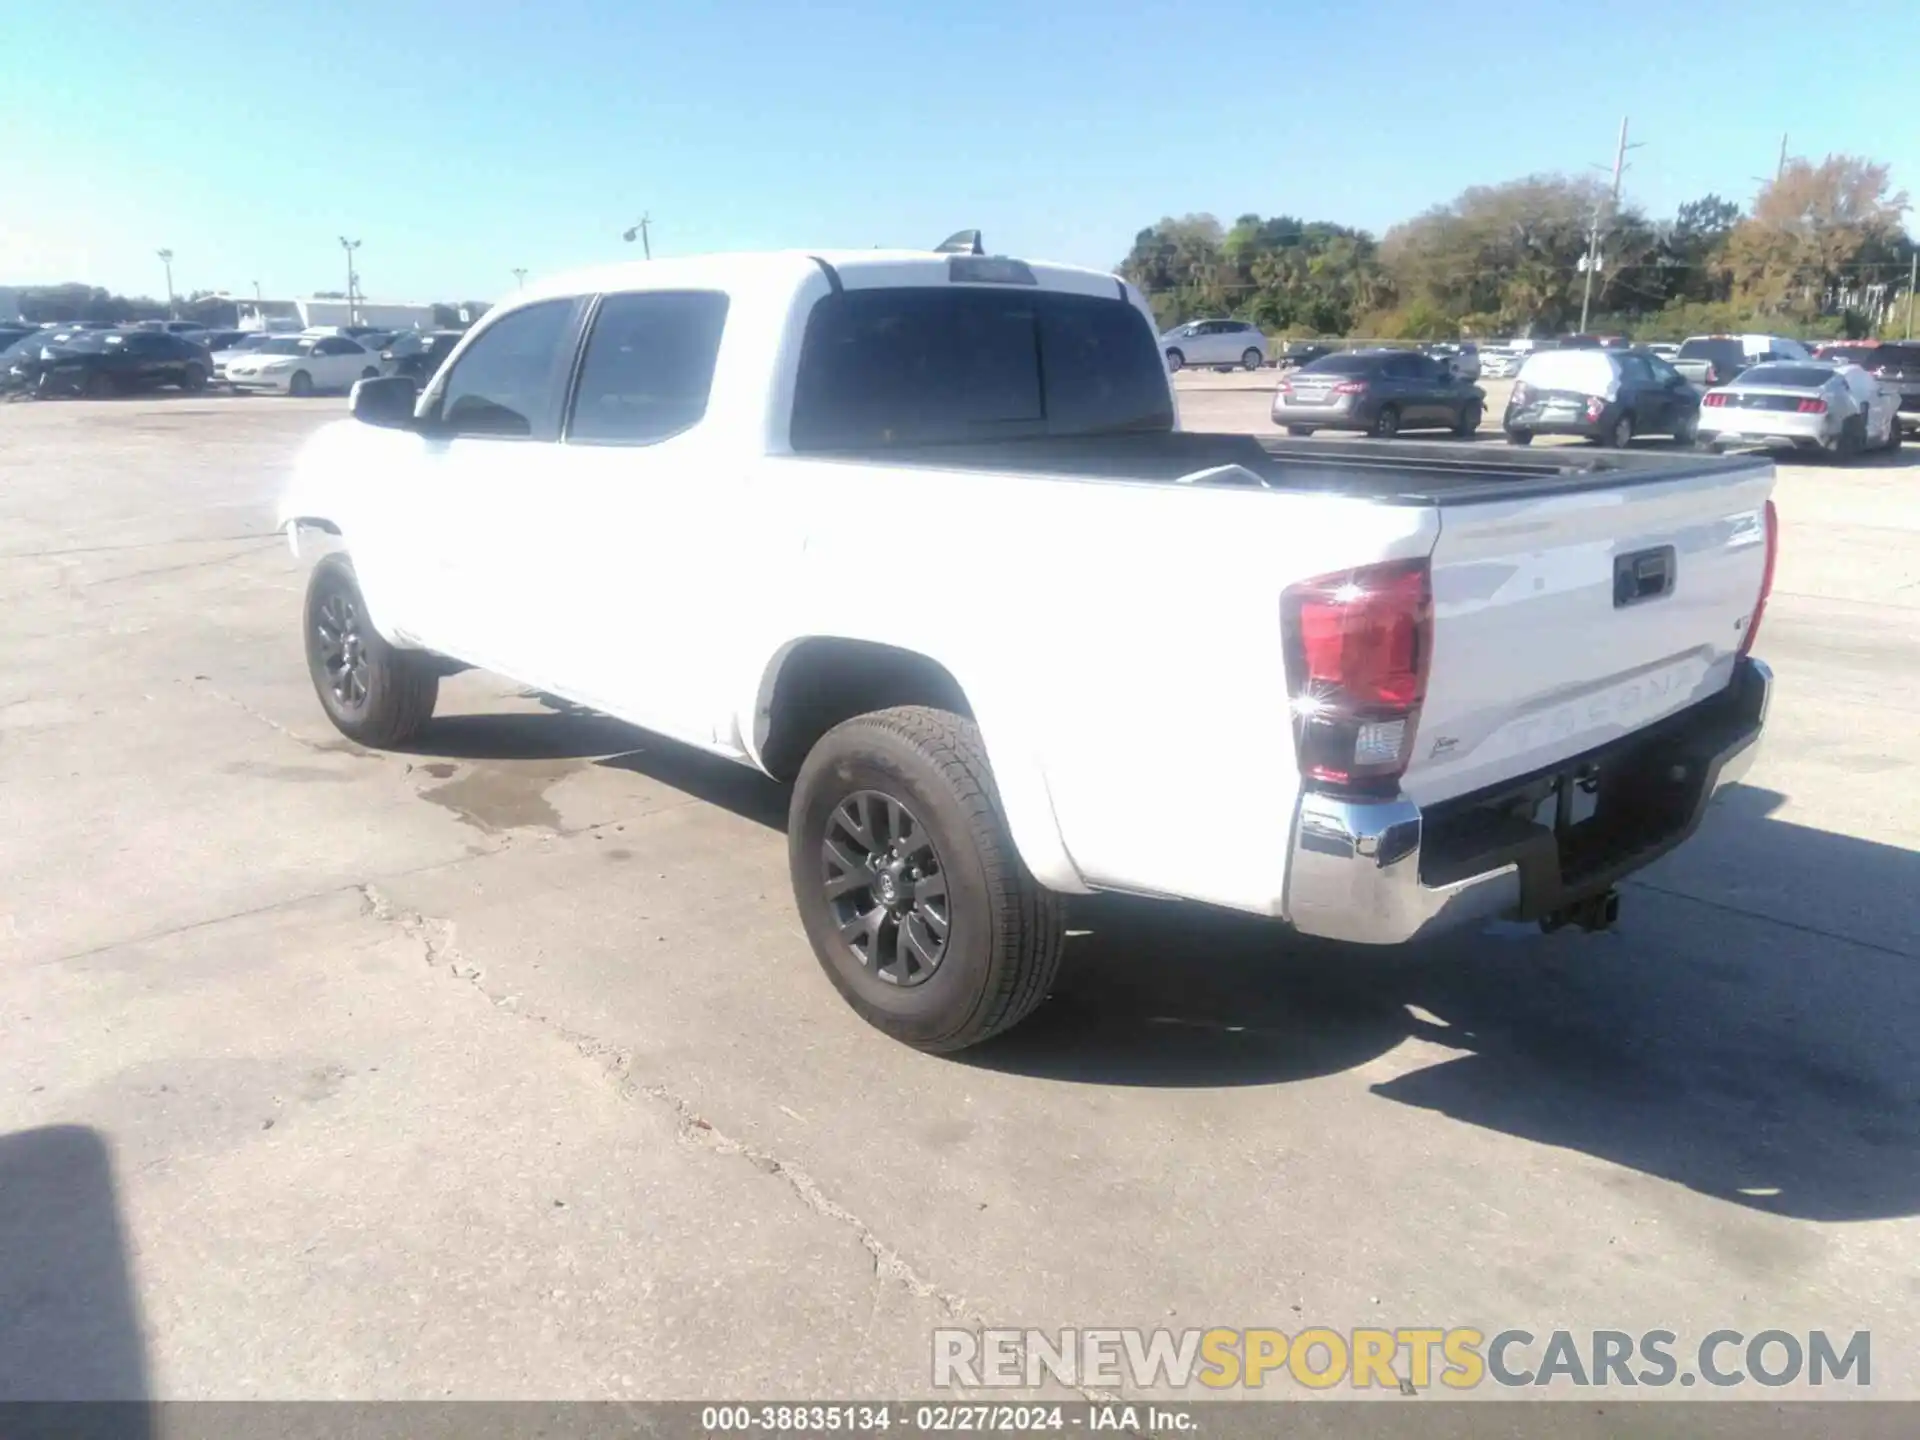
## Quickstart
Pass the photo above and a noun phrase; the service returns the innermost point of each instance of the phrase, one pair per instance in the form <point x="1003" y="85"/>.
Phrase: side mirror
<point x="387" y="401"/>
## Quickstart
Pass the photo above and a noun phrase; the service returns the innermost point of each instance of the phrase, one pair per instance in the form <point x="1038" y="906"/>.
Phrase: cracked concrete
<point x="639" y="1148"/>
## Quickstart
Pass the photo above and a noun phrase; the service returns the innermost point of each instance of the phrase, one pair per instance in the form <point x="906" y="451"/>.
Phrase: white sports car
<point x="302" y="364"/>
<point x="1805" y="405"/>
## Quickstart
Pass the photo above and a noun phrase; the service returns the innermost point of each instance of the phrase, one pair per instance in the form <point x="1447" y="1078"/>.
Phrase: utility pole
<point x="166" y="259"/>
<point x="353" y="279"/>
<point x="1592" y="262"/>
<point x="1781" y="168"/>
<point x="1913" y="274"/>
<point x="520" y="276"/>
<point x="646" y="245"/>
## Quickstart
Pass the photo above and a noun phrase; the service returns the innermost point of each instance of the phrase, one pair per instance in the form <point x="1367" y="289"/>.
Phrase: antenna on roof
<point x="961" y="242"/>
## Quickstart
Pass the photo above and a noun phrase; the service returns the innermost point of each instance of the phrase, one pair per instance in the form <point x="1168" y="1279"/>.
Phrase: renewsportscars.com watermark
<point x="1407" y="1359"/>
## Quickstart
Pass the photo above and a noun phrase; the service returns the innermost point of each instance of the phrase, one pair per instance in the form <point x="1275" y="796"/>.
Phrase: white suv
<point x="1215" y="342"/>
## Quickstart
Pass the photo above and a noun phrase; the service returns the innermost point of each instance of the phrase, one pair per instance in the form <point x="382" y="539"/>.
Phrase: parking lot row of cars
<point x="1843" y="400"/>
<point x="96" y="360"/>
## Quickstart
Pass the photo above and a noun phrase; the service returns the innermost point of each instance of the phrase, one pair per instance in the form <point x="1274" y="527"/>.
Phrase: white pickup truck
<point x="919" y="532"/>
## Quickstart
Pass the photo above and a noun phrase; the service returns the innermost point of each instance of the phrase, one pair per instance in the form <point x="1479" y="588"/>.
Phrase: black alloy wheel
<point x="883" y="880"/>
<point x="340" y="646"/>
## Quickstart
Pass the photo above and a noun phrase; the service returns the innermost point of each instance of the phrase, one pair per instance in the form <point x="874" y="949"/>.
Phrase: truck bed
<point x="1389" y="472"/>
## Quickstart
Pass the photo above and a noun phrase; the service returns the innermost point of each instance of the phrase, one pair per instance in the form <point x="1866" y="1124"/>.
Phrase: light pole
<point x="520" y="276"/>
<point x="166" y="259"/>
<point x="640" y="230"/>
<point x="353" y="279"/>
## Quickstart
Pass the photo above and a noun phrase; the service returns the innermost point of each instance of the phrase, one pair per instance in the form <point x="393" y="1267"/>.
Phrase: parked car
<point x="1395" y="765"/>
<point x="1667" y="350"/>
<point x="1609" y="396"/>
<point x="171" y="327"/>
<point x="248" y="341"/>
<point x="1221" y="343"/>
<point x="418" y="354"/>
<point x="1893" y="362"/>
<point x="217" y="340"/>
<point x="1500" y="364"/>
<point x="98" y="364"/>
<point x="302" y="364"/>
<point x="1718" y="359"/>
<point x="1296" y="353"/>
<point x="1803" y="405"/>
<point x="1461" y="357"/>
<point x="1381" y="392"/>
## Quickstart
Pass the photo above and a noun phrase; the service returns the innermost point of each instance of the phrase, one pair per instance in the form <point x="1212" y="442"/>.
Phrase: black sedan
<point x="102" y="363"/>
<point x="418" y="355"/>
<point x="1379" y="391"/>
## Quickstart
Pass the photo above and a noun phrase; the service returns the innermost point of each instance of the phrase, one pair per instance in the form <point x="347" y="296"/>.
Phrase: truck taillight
<point x="1766" y="580"/>
<point x="1359" y="645"/>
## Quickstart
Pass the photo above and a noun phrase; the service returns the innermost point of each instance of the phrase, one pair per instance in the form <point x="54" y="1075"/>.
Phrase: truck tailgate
<point x="1564" y="621"/>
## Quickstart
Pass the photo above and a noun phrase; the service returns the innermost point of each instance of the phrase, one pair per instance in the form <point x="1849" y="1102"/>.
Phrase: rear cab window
<point x="648" y="367"/>
<point x="917" y="365"/>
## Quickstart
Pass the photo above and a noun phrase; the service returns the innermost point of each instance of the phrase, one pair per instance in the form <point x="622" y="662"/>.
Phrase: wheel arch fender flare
<point x="1008" y="732"/>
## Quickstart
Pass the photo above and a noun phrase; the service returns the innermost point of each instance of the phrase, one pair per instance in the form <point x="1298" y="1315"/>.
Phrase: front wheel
<point x="1519" y="437"/>
<point x="1175" y="360"/>
<point x="301" y="384"/>
<point x="1250" y="360"/>
<point x="193" y="379"/>
<point x="373" y="693"/>
<point x="915" y="901"/>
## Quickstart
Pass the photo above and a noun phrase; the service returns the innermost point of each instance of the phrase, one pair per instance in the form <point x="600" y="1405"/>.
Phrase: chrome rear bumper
<point x="1355" y="872"/>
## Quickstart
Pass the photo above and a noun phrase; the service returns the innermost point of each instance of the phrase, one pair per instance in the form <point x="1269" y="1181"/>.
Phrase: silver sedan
<point x="1805" y="405"/>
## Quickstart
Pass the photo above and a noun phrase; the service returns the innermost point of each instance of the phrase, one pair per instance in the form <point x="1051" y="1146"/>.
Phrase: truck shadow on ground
<point x="1755" y="1044"/>
<point x="69" y="1323"/>
<point x="1758" y="1060"/>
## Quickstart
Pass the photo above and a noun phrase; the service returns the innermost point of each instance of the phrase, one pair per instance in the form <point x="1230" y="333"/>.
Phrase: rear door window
<point x="923" y="366"/>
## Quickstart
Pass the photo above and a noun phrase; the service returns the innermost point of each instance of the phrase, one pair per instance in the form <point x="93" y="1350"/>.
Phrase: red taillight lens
<point x="1813" y="407"/>
<point x="1350" y="387"/>
<point x="1286" y="387"/>
<point x="1766" y="580"/>
<point x="1714" y="401"/>
<point x="1596" y="406"/>
<point x="1359" y="645"/>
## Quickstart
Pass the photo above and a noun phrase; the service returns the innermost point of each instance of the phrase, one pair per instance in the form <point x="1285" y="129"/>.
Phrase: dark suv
<point x="1895" y="363"/>
<point x="1379" y="391"/>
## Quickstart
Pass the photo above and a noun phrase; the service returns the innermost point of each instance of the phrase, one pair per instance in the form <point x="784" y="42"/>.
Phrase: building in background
<point x="312" y="312"/>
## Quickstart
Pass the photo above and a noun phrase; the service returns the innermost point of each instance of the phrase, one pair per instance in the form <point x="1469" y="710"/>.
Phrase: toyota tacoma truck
<point x="920" y="533"/>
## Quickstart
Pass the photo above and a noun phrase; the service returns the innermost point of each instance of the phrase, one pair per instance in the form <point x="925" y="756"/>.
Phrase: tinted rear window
<point x="924" y="366"/>
<point x="1344" y="365"/>
<point x="1794" y="377"/>
<point x="1712" y="350"/>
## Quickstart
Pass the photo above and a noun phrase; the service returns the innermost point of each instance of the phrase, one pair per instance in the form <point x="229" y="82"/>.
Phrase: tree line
<point x="76" y="301"/>
<point x="1821" y="252"/>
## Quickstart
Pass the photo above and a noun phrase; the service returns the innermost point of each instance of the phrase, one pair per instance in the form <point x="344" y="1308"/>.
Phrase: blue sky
<point x="459" y="140"/>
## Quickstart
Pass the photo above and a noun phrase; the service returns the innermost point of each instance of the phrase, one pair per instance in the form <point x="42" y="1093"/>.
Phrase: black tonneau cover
<point x="1392" y="472"/>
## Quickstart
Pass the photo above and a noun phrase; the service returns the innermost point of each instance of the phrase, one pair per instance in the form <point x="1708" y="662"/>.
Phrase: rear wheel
<point x="372" y="693"/>
<point x="193" y="379"/>
<point x="1300" y="430"/>
<point x="1468" y="421"/>
<point x="1687" y="428"/>
<point x="1175" y="360"/>
<point x="1618" y="435"/>
<point x="1386" y="424"/>
<point x="1250" y="360"/>
<point x="1519" y="437"/>
<point x="301" y="384"/>
<point x="909" y="886"/>
<point x="1853" y="439"/>
<point x="99" y="386"/>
